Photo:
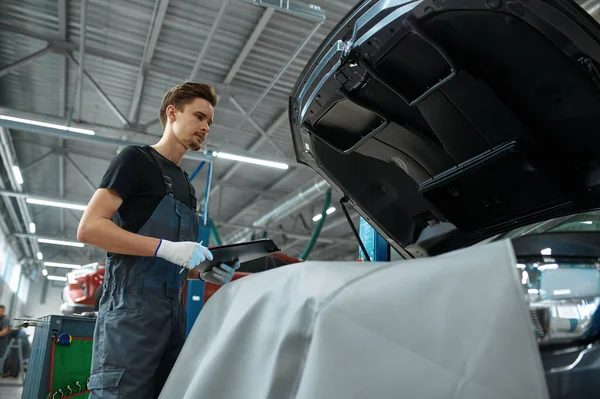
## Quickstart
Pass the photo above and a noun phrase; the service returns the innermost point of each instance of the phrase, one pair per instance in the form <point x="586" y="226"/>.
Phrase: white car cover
<point x="452" y="326"/>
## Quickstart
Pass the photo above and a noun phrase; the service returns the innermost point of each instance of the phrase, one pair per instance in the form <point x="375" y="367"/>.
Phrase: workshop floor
<point x="10" y="388"/>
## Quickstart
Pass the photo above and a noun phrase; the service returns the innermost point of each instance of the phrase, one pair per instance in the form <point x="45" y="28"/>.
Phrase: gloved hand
<point x="220" y="274"/>
<point x="187" y="254"/>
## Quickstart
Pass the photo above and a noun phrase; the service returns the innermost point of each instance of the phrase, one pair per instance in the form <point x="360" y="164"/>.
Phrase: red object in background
<point x="83" y="289"/>
<point x="84" y="286"/>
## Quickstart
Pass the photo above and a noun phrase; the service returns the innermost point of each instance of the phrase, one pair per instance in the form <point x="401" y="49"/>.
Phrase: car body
<point x="83" y="289"/>
<point x="470" y="121"/>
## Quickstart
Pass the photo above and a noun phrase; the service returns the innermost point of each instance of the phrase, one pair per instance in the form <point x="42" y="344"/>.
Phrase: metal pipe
<point x="207" y="194"/>
<point x="362" y="246"/>
<point x="24" y="61"/>
<point x="82" y="30"/>
<point x="197" y="170"/>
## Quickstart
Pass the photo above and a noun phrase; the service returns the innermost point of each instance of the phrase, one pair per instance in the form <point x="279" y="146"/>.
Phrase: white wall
<point x="53" y="298"/>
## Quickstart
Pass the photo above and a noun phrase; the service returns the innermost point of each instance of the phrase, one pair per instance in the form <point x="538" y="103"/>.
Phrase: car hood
<point x="446" y="122"/>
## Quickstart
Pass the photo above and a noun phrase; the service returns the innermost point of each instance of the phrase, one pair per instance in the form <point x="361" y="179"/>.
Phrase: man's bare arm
<point x="5" y="331"/>
<point x="96" y="228"/>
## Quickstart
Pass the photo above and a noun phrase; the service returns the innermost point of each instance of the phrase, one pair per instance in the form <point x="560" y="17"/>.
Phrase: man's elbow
<point x="84" y="232"/>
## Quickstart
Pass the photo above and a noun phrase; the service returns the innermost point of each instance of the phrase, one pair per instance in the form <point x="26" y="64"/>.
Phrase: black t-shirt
<point x="134" y="175"/>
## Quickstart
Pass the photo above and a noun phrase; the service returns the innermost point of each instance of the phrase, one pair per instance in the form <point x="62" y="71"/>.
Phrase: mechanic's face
<point x="191" y="125"/>
<point x="1" y="312"/>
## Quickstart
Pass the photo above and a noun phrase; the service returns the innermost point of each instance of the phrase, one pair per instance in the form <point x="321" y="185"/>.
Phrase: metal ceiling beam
<point x="294" y="202"/>
<point x="7" y="153"/>
<point x="80" y="172"/>
<point x="266" y="136"/>
<point x="100" y="92"/>
<point x="297" y="236"/>
<point x="60" y="150"/>
<point x="36" y="161"/>
<point x="255" y="146"/>
<point x="25" y="60"/>
<point x="260" y="26"/>
<point x="82" y="31"/>
<point x="297" y="8"/>
<point x="277" y="77"/>
<point x="59" y="46"/>
<point x="209" y="38"/>
<point x="108" y="135"/>
<point x="158" y="18"/>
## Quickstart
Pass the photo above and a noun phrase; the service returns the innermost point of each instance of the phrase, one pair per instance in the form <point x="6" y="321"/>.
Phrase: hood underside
<point x="446" y="122"/>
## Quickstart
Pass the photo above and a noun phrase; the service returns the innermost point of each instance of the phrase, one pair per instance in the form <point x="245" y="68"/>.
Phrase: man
<point x="141" y="321"/>
<point x="4" y="331"/>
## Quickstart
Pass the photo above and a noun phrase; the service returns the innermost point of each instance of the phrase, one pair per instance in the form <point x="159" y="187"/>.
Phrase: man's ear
<point x="170" y="111"/>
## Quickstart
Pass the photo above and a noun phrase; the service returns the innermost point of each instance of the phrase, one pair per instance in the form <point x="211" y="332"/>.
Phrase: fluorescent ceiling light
<point x="533" y="291"/>
<point x="18" y="175"/>
<point x="44" y="272"/>
<point x="49" y="125"/>
<point x="549" y="266"/>
<point x="32" y="228"/>
<point x="546" y="251"/>
<point x="60" y="242"/>
<point x="587" y="222"/>
<point x="57" y="204"/>
<point x="40" y="256"/>
<point x="255" y="161"/>
<point x="329" y="211"/>
<point x="56" y="278"/>
<point x="63" y="265"/>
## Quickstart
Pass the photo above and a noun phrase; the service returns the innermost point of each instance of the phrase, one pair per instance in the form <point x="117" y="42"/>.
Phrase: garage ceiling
<point x="105" y="65"/>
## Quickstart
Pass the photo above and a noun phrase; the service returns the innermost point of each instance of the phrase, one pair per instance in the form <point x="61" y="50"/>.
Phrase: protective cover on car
<point x="448" y="121"/>
<point x="428" y="328"/>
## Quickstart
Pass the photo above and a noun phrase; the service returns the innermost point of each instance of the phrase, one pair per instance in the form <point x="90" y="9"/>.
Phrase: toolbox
<point x="60" y="361"/>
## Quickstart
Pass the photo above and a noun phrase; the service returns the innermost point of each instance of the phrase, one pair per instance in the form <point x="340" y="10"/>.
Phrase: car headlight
<point x="564" y="298"/>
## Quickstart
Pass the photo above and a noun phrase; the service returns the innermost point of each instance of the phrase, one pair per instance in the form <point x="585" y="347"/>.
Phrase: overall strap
<point x="166" y="179"/>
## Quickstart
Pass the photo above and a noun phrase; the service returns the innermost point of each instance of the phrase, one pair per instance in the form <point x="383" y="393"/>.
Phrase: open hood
<point x="446" y="122"/>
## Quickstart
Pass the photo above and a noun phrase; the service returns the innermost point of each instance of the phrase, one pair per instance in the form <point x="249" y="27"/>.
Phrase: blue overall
<point x="140" y="328"/>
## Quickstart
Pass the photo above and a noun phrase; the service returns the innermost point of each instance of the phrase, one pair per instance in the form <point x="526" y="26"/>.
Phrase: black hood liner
<point x="456" y="114"/>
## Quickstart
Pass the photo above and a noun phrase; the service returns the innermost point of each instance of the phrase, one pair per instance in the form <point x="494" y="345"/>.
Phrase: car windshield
<point x="581" y="222"/>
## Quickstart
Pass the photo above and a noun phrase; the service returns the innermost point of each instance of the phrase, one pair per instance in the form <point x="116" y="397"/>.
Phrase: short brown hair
<point x="181" y="95"/>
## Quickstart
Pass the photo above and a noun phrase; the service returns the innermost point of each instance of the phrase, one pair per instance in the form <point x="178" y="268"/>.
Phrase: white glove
<point x="220" y="274"/>
<point x="185" y="254"/>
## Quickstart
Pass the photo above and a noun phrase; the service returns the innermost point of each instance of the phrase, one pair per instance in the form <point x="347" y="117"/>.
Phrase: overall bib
<point x="141" y="322"/>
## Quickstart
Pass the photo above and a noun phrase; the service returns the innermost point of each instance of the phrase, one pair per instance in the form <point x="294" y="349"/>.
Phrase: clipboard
<point x="244" y="252"/>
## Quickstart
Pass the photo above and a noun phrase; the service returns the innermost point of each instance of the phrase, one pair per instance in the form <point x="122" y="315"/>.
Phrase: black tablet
<point x="244" y="252"/>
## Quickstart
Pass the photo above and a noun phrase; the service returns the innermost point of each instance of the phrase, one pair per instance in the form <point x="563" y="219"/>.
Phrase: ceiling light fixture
<point x="56" y="204"/>
<point x="32" y="228"/>
<point x="44" y="272"/>
<point x="56" y="278"/>
<point x="49" y="125"/>
<point x="63" y="265"/>
<point x="254" y="161"/>
<point x="329" y="211"/>
<point x="40" y="256"/>
<point x="18" y="175"/>
<point x="60" y="242"/>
